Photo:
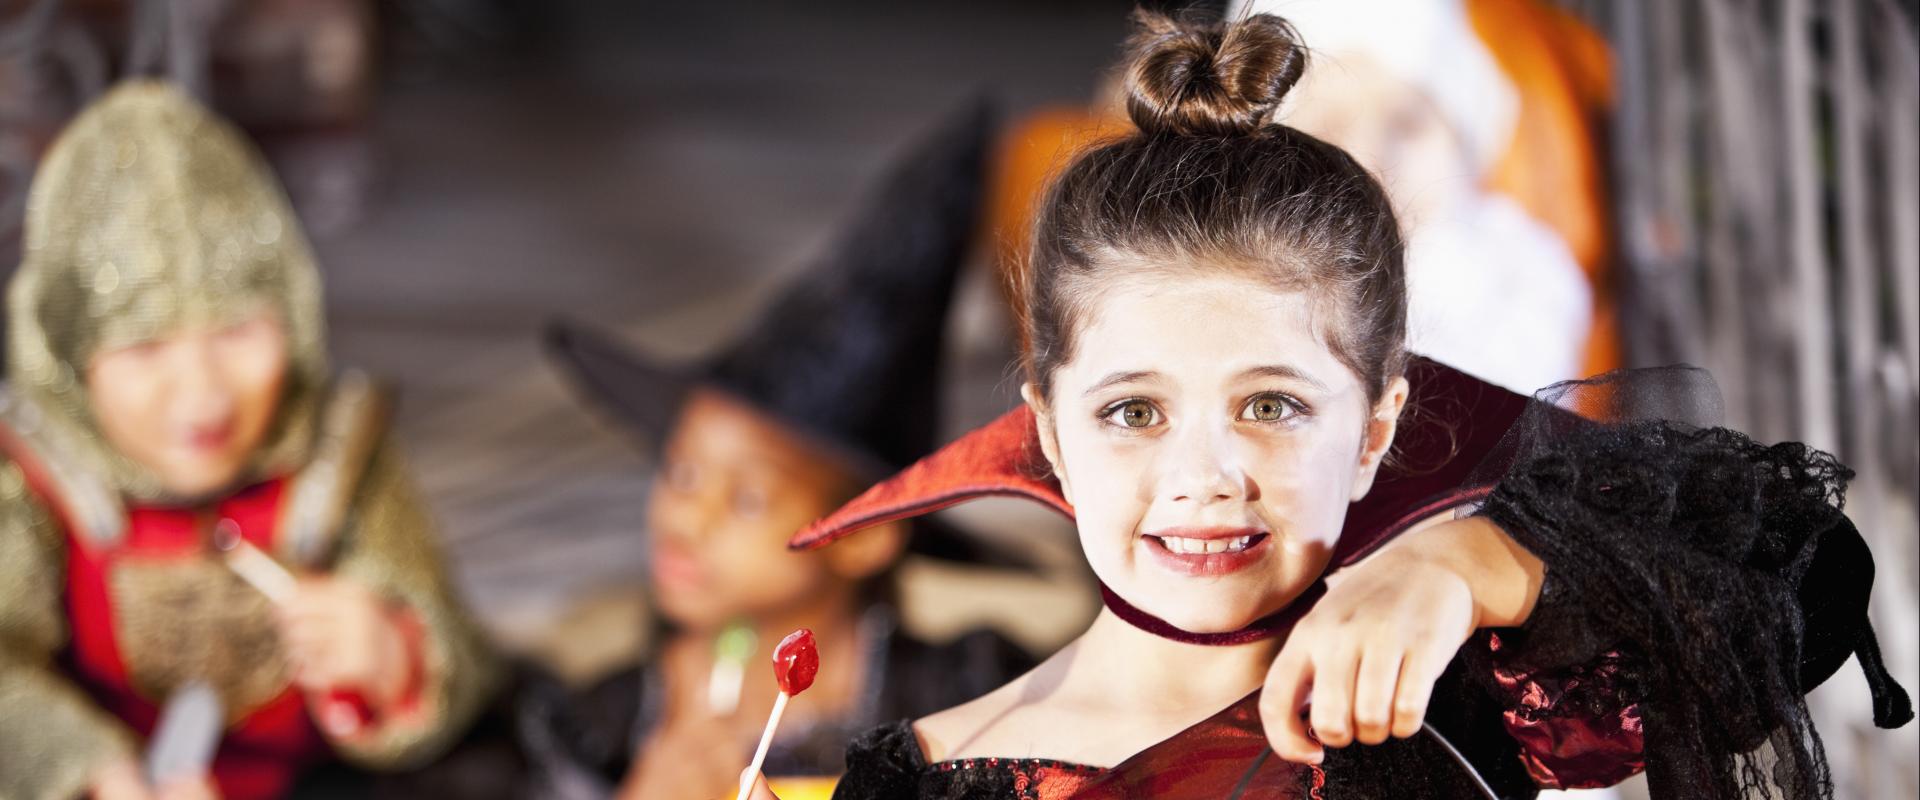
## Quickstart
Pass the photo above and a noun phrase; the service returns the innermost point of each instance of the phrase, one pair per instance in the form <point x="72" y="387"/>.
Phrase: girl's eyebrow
<point x="1284" y="372"/>
<point x="1118" y="378"/>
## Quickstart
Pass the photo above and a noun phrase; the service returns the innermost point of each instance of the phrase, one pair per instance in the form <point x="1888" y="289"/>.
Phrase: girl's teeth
<point x="1183" y="546"/>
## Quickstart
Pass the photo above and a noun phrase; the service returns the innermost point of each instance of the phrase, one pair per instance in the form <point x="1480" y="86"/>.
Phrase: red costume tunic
<point x="268" y="744"/>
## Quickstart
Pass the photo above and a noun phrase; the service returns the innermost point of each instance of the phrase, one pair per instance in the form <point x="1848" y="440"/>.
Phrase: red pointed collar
<point x="1453" y="427"/>
<point x="1002" y="458"/>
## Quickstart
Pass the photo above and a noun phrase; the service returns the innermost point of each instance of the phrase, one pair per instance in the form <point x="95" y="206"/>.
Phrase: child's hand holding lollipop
<point x="795" y="663"/>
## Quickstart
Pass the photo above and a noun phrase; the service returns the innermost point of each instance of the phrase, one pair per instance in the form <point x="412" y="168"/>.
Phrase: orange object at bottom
<point x="802" y="788"/>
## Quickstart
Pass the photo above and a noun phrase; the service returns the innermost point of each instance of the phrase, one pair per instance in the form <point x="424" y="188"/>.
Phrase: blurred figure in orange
<point x="1483" y="119"/>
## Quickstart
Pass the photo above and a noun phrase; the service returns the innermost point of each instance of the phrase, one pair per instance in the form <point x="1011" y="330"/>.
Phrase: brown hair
<point x="1208" y="182"/>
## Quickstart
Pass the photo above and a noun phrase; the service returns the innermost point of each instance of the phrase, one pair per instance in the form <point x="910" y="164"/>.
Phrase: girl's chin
<point x="192" y="478"/>
<point x="1216" y="613"/>
<point x="1217" y="606"/>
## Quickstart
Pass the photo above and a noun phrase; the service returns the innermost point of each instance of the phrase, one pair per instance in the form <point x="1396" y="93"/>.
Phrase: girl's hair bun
<point x="1210" y="79"/>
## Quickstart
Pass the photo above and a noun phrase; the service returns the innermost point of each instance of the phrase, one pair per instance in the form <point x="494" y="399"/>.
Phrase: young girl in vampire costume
<point x="1215" y="311"/>
<point x="836" y="385"/>
<point x="168" y="387"/>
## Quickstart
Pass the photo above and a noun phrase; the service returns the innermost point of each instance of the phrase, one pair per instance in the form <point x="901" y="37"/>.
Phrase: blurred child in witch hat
<point x="834" y="386"/>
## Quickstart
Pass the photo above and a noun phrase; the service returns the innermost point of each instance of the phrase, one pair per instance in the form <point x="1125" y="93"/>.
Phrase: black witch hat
<point x="849" y="356"/>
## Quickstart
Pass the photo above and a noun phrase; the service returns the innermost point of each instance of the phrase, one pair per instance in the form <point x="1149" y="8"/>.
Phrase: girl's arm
<point x="1370" y="651"/>
<point x="391" y="550"/>
<point x="56" y="742"/>
<point x="1682" y="589"/>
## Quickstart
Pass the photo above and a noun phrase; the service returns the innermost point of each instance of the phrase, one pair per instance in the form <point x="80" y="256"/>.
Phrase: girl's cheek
<point x="1302" y="490"/>
<point x="1279" y="468"/>
<point x="1108" y="515"/>
<point x="1104" y="469"/>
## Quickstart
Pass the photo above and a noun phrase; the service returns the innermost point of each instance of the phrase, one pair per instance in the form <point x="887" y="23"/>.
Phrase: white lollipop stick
<point x="262" y="571"/>
<point x="760" y="753"/>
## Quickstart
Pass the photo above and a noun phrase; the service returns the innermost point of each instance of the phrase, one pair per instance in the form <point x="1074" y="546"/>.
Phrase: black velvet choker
<point x="1266" y="627"/>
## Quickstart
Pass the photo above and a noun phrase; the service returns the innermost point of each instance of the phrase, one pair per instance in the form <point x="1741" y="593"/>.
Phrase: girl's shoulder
<point x="995" y="723"/>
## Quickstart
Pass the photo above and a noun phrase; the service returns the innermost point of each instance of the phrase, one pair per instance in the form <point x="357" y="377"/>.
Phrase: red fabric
<point x="1002" y="458"/>
<point x="261" y="754"/>
<point x="1033" y="778"/>
<point x="1564" y="744"/>
<point x="1224" y="756"/>
<point x="1447" y="453"/>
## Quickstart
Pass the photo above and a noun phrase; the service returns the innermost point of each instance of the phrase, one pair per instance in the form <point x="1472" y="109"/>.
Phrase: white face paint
<point x="1210" y="442"/>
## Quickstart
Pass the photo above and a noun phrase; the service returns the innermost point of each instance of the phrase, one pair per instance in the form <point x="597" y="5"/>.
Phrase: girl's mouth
<point x="677" y="570"/>
<point x="202" y="439"/>
<point x="1207" y="551"/>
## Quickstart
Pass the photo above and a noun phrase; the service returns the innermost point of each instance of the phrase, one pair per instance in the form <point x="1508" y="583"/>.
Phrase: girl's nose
<point x="1203" y="468"/>
<point x="199" y="386"/>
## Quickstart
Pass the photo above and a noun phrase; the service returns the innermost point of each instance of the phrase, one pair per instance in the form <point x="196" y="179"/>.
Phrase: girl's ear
<point x="1379" y="436"/>
<point x="1049" y="438"/>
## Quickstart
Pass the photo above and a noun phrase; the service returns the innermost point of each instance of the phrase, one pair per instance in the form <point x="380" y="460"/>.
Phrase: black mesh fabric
<point x="1691" y="550"/>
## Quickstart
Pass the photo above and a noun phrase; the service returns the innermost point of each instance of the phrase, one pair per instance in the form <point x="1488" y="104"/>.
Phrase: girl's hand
<point x="201" y="788"/>
<point x="124" y="780"/>
<point x="341" y="636"/>
<point x="120" y="780"/>
<point x="1364" y="660"/>
<point x="760" y="789"/>
<point x="687" y="758"/>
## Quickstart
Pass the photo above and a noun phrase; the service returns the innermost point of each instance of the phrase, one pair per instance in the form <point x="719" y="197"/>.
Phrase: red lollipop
<point x="796" y="661"/>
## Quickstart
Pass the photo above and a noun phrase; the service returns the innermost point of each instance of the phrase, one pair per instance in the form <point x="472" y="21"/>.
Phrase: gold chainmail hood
<point x="147" y="215"/>
<point x="150" y="214"/>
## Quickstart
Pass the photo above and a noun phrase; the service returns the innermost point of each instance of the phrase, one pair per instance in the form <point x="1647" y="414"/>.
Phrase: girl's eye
<point x="1269" y="408"/>
<point x="144" y="351"/>
<point x="243" y="329"/>
<point x="1134" y="413"/>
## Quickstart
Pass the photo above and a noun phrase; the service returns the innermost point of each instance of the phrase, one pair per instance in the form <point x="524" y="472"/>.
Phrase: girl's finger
<point x="1415" y="689"/>
<point x="296" y="617"/>
<point x="306" y="677"/>
<point x="307" y="640"/>
<point x="1374" y="691"/>
<point x="314" y="663"/>
<point x="1332" y="705"/>
<point x="1281" y="699"/>
<point x="760" y="789"/>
